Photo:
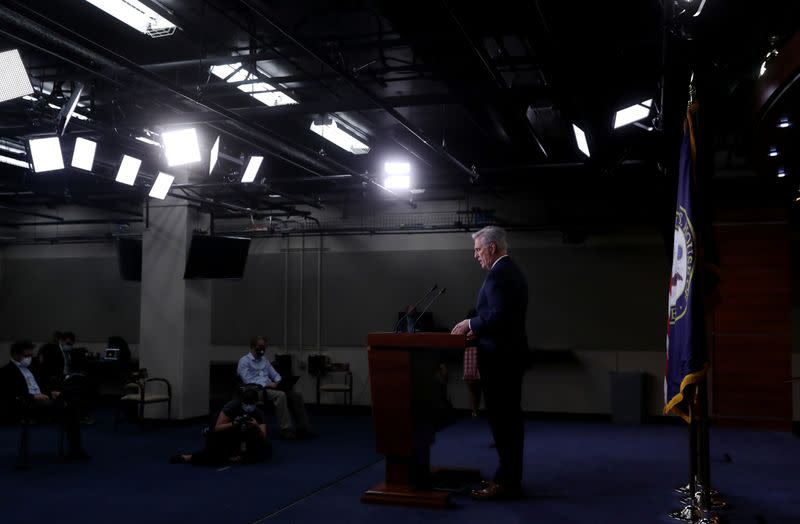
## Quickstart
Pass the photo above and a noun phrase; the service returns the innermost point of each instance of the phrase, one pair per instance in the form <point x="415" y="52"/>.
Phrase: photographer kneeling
<point x="239" y="435"/>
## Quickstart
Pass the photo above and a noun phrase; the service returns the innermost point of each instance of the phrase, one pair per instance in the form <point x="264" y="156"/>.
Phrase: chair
<point x="139" y="391"/>
<point x="23" y="414"/>
<point x="345" y="387"/>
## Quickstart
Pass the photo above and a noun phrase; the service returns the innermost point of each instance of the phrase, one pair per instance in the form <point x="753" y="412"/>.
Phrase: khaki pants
<point x="289" y="406"/>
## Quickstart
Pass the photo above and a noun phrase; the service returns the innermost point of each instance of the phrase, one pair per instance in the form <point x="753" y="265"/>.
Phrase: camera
<point x="241" y="422"/>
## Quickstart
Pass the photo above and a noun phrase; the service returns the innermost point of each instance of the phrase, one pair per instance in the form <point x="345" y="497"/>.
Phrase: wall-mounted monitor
<point x="129" y="255"/>
<point x="217" y="257"/>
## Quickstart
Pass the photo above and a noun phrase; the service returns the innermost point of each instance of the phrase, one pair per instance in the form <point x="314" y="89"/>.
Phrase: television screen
<point x="129" y="255"/>
<point x="216" y="257"/>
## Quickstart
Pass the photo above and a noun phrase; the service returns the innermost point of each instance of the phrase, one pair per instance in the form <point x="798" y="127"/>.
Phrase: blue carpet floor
<point x="575" y="472"/>
<point x="129" y="480"/>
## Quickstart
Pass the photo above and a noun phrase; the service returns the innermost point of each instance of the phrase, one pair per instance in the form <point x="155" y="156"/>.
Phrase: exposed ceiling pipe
<point x="354" y="83"/>
<point x="30" y="213"/>
<point x="364" y="178"/>
<point x="83" y="221"/>
<point x="497" y="78"/>
<point x="322" y="106"/>
<point x="230" y="207"/>
<point x="366" y="41"/>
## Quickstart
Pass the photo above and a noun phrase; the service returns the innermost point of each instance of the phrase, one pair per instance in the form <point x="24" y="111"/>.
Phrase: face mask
<point x="67" y="347"/>
<point x="248" y="408"/>
<point x="25" y="362"/>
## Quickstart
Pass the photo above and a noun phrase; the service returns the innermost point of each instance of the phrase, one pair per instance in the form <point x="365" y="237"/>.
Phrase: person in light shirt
<point x="290" y="408"/>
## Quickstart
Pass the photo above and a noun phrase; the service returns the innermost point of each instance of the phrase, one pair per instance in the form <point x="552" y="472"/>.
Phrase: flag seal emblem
<point x="683" y="263"/>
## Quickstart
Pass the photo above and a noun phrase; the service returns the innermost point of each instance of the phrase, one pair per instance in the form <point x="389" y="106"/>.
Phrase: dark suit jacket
<point x="13" y="383"/>
<point x="499" y="324"/>
<point x="50" y="367"/>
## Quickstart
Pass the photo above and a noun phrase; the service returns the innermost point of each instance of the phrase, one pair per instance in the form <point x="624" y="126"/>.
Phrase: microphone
<point x="412" y="308"/>
<point x="440" y="293"/>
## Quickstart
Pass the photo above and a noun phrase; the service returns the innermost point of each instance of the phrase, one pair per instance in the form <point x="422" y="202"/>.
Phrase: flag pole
<point x="701" y="501"/>
<point x="691" y="511"/>
<point x="710" y="500"/>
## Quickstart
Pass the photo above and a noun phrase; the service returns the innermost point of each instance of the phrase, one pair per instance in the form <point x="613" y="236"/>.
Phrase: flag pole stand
<point x="708" y="502"/>
<point x="690" y="512"/>
<point x="703" y="506"/>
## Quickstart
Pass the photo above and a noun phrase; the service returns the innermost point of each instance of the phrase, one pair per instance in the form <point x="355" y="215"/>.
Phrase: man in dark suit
<point x="53" y="362"/>
<point x="498" y="329"/>
<point x="20" y="387"/>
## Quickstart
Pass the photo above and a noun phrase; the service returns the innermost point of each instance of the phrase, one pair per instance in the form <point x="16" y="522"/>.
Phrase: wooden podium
<point x="404" y="395"/>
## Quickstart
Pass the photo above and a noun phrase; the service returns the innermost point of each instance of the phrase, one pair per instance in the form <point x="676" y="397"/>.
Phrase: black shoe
<point x="495" y="491"/>
<point x="305" y="434"/>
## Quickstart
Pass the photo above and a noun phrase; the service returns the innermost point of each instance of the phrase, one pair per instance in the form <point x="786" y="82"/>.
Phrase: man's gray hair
<point x="492" y="234"/>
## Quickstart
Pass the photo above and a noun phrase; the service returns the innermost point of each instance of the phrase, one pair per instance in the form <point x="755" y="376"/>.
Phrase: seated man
<point x="18" y="382"/>
<point x="253" y="368"/>
<point x="239" y="435"/>
<point x="60" y="367"/>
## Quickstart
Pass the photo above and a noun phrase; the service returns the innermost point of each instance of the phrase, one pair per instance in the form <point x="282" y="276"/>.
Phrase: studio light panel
<point x="181" y="146"/>
<point x="161" y="186"/>
<point x="83" y="155"/>
<point x="251" y="170"/>
<point x="14" y="81"/>
<point x="128" y="170"/>
<point x="46" y="154"/>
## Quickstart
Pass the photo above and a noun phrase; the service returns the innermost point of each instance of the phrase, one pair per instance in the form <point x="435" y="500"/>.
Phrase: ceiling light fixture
<point x="633" y="113"/>
<point x="580" y="139"/>
<point x="83" y="155"/>
<point x="214" y="156"/>
<point x="12" y="146"/>
<point x="68" y="109"/>
<point x="329" y="130"/>
<point x="181" y="146"/>
<point x="14" y="161"/>
<point x="397" y="182"/>
<point x="261" y="91"/>
<point x="781" y="172"/>
<point x="397" y="168"/>
<point x="147" y="141"/>
<point x="699" y="9"/>
<point x="128" y="170"/>
<point x="161" y="186"/>
<point x="772" y="53"/>
<point x="137" y="15"/>
<point x="251" y="170"/>
<point x="46" y="154"/>
<point x="14" y="81"/>
<point x="773" y="151"/>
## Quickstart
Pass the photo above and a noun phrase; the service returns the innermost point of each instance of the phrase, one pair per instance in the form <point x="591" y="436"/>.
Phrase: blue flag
<point x="687" y="359"/>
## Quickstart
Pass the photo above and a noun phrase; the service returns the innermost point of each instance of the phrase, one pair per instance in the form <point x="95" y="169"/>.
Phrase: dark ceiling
<point x="479" y="98"/>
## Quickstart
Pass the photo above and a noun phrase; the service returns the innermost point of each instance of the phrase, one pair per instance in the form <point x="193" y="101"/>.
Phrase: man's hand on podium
<point x="462" y="328"/>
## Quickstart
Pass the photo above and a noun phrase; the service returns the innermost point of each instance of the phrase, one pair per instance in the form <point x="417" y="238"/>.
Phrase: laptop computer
<point x="288" y="383"/>
<point x="111" y="354"/>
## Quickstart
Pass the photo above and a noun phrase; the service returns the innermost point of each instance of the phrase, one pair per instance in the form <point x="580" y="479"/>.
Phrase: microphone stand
<point x="440" y="293"/>
<point x="413" y="307"/>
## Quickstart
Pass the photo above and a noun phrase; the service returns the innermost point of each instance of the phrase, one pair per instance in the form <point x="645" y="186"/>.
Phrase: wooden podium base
<point x="403" y="496"/>
<point x="444" y="480"/>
